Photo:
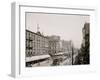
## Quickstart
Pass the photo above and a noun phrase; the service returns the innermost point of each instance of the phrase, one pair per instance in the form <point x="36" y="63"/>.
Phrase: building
<point x="84" y="56"/>
<point x="36" y="44"/>
<point x="54" y="44"/>
<point x="86" y="44"/>
<point x="29" y="43"/>
<point x="66" y="46"/>
<point x="85" y="31"/>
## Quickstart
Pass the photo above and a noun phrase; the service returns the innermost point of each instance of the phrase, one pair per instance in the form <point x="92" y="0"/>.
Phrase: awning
<point x="33" y="58"/>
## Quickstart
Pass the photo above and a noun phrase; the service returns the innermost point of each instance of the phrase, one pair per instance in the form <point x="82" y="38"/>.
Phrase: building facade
<point x="86" y="35"/>
<point x="66" y="46"/>
<point x="84" y="56"/>
<point x="36" y="44"/>
<point x="54" y="44"/>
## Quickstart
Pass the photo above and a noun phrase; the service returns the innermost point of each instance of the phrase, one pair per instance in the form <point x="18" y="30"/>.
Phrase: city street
<point x="58" y="59"/>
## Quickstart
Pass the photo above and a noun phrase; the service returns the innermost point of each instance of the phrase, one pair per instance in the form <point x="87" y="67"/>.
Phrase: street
<point x="58" y="59"/>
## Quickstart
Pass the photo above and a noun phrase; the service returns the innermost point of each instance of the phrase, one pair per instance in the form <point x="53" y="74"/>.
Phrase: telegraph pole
<point x="72" y="54"/>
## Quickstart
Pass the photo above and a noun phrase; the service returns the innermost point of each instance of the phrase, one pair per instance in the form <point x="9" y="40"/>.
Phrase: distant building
<point x="36" y="44"/>
<point x="54" y="44"/>
<point x="66" y="46"/>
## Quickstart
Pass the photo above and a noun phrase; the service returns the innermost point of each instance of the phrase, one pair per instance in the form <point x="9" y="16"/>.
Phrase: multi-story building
<point x="29" y="42"/>
<point x="54" y="44"/>
<point x="85" y="56"/>
<point x="36" y="44"/>
<point x="66" y="46"/>
<point x="86" y="31"/>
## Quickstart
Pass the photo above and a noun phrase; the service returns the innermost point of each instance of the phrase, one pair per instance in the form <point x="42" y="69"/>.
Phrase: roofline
<point x="36" y="33"/>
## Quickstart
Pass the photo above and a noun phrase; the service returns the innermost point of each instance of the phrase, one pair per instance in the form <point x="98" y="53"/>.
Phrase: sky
<point x="68" y="27"/>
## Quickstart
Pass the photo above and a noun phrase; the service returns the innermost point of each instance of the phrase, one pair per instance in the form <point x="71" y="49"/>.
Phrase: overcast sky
<point x="68" y="27"/>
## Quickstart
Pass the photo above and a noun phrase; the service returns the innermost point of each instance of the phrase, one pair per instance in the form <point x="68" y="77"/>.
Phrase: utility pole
<point x="72" y="54"/>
